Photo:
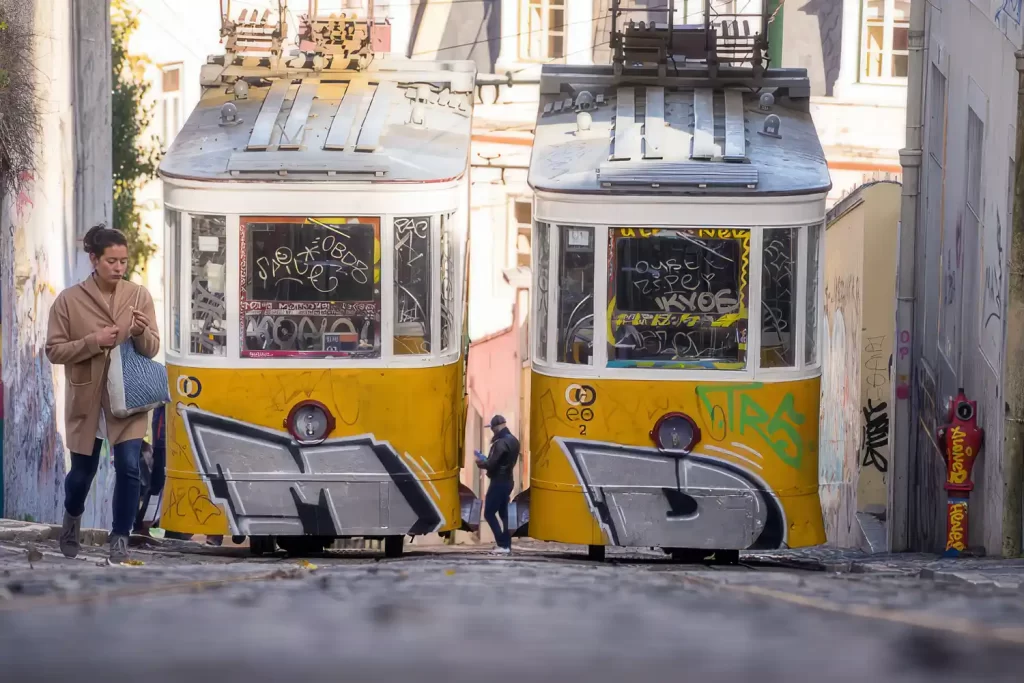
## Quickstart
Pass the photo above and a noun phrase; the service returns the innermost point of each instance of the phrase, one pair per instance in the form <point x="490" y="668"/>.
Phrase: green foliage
<point x="135" y="160"/>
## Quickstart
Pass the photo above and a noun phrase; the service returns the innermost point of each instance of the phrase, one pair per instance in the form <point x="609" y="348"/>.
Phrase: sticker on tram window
<point x="678" y="298"/>
<point x="579" y="238"/>
<point x="310" y="287"/>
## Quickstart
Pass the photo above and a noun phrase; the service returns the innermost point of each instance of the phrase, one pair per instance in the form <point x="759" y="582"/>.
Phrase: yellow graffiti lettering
<point x="727" y="320"/>
<point x="649" y="233"/>
<point x="958" y="474"/>
<point x="627" y="232"/>
<point x="662" y="320"/>
<point x="955" y="537"/>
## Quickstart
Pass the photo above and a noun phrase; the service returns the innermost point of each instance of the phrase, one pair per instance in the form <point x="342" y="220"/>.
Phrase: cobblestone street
<point x="456" y="614"/>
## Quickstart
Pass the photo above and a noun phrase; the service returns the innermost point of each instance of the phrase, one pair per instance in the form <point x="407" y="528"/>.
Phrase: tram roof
<point x="685" y="133"/>
<point x="397" y="121"/>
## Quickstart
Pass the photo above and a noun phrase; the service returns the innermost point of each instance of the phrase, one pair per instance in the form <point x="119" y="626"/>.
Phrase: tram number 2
<point x="580" y="417"/>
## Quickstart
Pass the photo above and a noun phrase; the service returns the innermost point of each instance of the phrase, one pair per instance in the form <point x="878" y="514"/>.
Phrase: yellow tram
<point x="679" y="208"/>
<point x="316" y="225"/>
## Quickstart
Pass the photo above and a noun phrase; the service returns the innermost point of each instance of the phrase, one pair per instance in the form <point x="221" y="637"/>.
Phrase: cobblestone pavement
<point x="453" y="613"/>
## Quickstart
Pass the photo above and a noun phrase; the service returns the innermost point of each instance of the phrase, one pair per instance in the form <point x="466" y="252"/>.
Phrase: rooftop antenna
<point x="354" y="36"/>
<point x="253" y="34"/>
<point x="726" y="38"/>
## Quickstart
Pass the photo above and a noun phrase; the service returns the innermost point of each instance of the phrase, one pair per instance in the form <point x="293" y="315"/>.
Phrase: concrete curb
<point x="31" y="532"/>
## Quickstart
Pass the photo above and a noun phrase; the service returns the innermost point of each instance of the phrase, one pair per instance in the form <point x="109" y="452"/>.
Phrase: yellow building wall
<point x="860" y="282"/>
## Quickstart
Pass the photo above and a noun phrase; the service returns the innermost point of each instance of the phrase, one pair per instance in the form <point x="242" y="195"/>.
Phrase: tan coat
<point x="77" y="315"/>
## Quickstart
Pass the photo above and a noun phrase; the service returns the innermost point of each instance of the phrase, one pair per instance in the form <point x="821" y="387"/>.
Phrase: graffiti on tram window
<point x="778" y="298"/>
<point x="412" y="285"/>
<point x="737" y="409"/>
<point x="310" y="287"/>
<point x="209" y="309"/>
<point x="448" y="334"/>
<point x="678" y="298"/>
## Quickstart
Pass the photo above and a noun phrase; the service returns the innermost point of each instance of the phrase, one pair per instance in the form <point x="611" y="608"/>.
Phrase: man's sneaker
<point x="118" y="549"/>
<point x="69" y="535"/>
<point x="501" y="551"/>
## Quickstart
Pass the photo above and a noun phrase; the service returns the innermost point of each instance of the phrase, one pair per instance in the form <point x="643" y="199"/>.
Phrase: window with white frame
<point x="170" y="102"/>
<point x="885" y="41"/>
<point x="522" y="224"/>
<point x="542" y="32"/>
<point x="575" y="312"/>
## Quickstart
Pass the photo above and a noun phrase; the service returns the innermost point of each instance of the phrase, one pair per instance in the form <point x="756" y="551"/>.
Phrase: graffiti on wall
<point x="992" y="305"/>
<point x="1010" y="10"/>
<point x="834" y="387"/>
<point x="952" y="280"/>
<point x="876" y="378"/>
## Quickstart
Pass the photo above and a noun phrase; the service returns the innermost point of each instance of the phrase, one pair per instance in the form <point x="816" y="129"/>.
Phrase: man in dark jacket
<point x="499" y="465"/>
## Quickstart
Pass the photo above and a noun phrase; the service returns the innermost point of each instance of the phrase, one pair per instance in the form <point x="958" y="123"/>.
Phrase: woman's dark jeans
<point x="126" y="483"/>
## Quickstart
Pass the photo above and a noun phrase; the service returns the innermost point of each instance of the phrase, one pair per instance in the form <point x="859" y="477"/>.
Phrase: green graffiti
<point x="778" y="429"/>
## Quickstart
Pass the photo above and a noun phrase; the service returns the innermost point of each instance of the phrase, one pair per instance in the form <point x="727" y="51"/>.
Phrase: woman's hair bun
<point x="100" y="238"/>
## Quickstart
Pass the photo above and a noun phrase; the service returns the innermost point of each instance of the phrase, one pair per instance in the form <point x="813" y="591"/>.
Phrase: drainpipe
<point x="910" y="159"/>
<point x="1013" y="372"/>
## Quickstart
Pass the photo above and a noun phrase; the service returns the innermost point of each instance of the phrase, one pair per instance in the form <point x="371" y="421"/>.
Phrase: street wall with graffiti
<point x="750" y="482"/>
<point x="37" y="253"/>
<point x="391" y="465"/>
<point x="860" y="272"/>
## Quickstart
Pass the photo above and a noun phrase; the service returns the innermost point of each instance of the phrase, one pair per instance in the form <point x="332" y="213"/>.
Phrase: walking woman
<point x="86" y="322"/>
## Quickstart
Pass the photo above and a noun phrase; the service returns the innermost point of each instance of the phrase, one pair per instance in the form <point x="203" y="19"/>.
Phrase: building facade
<point x="961" y="267"/>
<point x="856" y="56"/>
<point x="69" y="189"/>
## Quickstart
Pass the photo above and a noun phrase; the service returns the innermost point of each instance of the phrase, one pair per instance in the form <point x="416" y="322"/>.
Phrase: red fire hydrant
<point x="961" y="440"/>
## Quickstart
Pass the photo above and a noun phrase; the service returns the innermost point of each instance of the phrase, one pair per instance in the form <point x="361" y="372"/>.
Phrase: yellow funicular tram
<point x="679" y="202"/>
<point x="316" y="225"/>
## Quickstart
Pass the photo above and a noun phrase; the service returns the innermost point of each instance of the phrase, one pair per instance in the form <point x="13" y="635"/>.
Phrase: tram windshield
<point x="310" y="286"/>
<point x="684" y="298"/>
<point x="678" y="298"/>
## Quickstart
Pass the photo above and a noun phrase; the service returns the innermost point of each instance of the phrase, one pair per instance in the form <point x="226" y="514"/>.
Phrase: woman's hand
<point x="139" y="322"/>
<point x="107" y="337"/>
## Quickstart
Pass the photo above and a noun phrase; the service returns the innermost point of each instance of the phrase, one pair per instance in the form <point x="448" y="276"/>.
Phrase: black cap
<point x="497" y="420"/>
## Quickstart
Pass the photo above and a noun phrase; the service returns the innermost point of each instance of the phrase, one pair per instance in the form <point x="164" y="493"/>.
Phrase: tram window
<point x="778" y="298"/>
<point x="412" y="285"/>
<point x="448" y="333"/>
<point x="311" y="287"/>
<point x="541" y="278"/>
<point x="576" y="296"/>
<point x="209" y="309"/>
<point x="811" y="339"/>
<point x="679" y="298"/>
<point x="174" y="277"/>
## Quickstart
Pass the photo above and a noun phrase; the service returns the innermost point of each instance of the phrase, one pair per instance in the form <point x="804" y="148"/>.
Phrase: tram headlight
<point x="675" y="432"/>
<point x="309" y="422"/>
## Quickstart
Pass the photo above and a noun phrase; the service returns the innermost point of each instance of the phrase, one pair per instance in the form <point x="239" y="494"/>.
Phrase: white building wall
<point x="962" y="267"/>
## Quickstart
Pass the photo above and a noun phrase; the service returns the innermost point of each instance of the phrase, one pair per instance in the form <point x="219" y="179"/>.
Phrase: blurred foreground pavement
<point x="453" y="613"/>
